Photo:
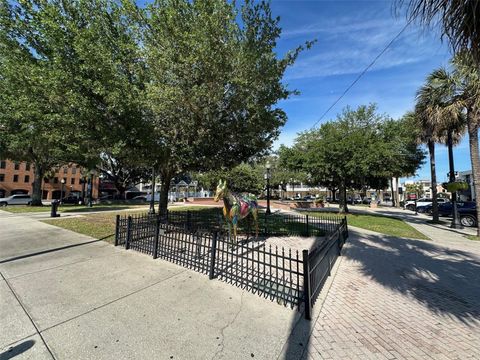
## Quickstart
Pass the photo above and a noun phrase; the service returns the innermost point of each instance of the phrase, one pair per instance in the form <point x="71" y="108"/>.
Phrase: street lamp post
<point x="90" y="189"/>
<point x="267" y="177"/>
<point x="62" y="182"/>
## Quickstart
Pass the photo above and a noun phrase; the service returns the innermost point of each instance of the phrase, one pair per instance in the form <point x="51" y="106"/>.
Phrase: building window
<point x="74" y="170"/>
<point x="17" y="166"/>
<point x="27" y="166"/>
<point x="65" y="170"/>
<point x="27" y="178"/>
<point x="46" y="180"/>
<point x="55" y="180"/>
<point x="72" y="181"/>
<point x="2" y="177"/>
<point x="15" y="178"/>
<point x="3" y="164"/>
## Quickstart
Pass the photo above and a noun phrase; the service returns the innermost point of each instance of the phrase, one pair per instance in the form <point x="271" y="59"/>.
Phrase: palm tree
<point x="440" y="117"/>
<point x="426" y="135"/>
<point x="459" y="21"/>
<point x="467" y="73"/>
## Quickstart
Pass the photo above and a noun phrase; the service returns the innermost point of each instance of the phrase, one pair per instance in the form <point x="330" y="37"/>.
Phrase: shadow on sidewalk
<point x="17" y="350"/>
<point x="444" y="280"/>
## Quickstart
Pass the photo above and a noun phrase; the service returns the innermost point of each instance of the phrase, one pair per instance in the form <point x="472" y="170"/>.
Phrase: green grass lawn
<point x="472" y="237"/>
<point x="383" y="225"/>
<point x="102" y="225"/>
<point x="25" y="209"/>
<point x="70" y="208"/>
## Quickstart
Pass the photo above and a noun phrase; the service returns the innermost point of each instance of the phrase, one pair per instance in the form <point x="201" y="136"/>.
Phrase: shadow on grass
<point x="94" y="208"/>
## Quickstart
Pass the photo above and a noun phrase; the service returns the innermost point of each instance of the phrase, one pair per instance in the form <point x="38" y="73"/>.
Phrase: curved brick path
<point x="400" y="299"/>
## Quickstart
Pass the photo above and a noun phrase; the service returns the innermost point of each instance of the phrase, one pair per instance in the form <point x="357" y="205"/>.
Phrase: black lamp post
<point x="62" y="184"/>
<point x="267" y="177"/>
<point x="90" y="189"/>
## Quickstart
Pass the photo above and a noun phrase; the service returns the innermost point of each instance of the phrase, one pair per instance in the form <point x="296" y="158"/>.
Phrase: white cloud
<point x="350" y="45"/>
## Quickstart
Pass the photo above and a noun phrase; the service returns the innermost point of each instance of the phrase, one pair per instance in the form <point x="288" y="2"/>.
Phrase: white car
<point x="19" y="199"/>
<point x="410" y="204"/>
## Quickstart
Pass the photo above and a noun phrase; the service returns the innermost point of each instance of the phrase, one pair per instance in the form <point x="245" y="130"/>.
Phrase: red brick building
<point x="17" y="178"/>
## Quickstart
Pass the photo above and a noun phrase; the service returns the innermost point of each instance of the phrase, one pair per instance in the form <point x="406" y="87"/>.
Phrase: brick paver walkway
<point x="400" y="299"/>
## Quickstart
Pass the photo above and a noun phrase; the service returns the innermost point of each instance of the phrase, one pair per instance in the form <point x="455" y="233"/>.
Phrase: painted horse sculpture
<point x="236" y="207"/>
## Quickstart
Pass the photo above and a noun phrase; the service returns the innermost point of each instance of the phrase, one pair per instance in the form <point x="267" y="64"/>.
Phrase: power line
<point x="362" y="73"/>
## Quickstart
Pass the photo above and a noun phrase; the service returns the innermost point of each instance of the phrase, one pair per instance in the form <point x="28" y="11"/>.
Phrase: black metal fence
<point x="269" y="225"/>
<point x="200" y="242"/>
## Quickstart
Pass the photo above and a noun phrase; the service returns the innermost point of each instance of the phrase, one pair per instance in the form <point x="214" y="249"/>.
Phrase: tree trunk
<point x="343" y="208"/>
<point x="433" y="175"/>
<point x="392" y="193"/>
<point x="39" y="172"/>
<point x="472" y="124"/>
<point x="397" y="195"/>
<point x="166" y="177"/>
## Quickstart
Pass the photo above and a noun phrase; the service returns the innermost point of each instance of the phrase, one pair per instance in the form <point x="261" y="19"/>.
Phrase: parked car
<point x="446" y="209"/>
<point x="468" y="217"/>
<point x="70" y="199"/>
<point x="140" y="197"/>
<point x="19" y="199"/>
<point x="106" y="197"/>
<point x="410" y="204"/>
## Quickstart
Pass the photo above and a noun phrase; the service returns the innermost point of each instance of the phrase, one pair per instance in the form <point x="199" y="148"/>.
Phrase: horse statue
<point x="236" y="207"/>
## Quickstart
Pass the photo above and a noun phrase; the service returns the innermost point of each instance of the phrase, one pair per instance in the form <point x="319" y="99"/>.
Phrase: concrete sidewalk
<point x="66" y="296"/>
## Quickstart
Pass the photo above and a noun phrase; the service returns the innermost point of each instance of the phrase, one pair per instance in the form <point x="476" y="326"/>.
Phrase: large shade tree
<point x="72" y="83"/>
<point x="214" y="81"/>
<point x="34" y="123"/>
<point x="343" y="152"/>
<point x="360" y="149"/>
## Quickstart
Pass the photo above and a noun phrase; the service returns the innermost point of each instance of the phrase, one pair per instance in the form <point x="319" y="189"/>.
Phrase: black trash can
<point x="53" y="211"/>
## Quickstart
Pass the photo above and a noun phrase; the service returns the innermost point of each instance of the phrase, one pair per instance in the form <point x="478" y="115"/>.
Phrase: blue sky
<point x="350" y="34"/>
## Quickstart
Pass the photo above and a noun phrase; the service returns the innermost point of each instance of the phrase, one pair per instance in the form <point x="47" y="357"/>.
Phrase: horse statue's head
<point x="221" y="189"/>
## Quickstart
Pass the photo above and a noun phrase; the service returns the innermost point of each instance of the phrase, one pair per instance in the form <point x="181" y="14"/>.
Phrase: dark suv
<point x="75" y="200"/>
<point x="446" y="209"/>
<point x="468" y="216"/>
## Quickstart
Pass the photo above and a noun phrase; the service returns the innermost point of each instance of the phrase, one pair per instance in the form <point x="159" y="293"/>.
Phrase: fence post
<point x="346" y="226"/>
<point x="117" y="229"/>
<point x="306" y="286"/>
<point x="129" y="233"/>
<point x="308" y="230"/>
<point x="211" y="275"/>
<point x="189" y="220"/>
<point x="157" y="234"/>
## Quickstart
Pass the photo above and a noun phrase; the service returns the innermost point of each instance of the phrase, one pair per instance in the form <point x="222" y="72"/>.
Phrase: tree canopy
<point x="361" y="148"/>
<point x="178" y="85"/>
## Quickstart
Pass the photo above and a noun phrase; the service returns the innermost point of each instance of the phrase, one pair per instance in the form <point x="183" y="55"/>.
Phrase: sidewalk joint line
<point x="28" y="315"/>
